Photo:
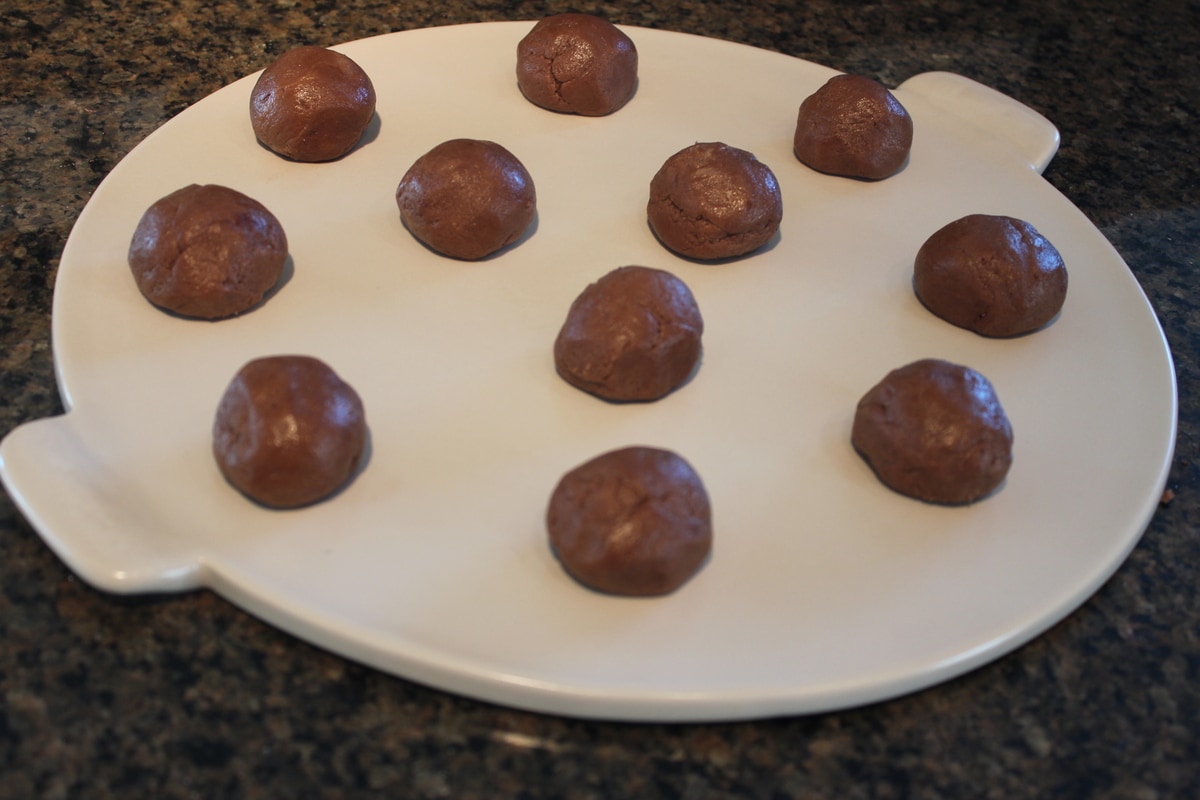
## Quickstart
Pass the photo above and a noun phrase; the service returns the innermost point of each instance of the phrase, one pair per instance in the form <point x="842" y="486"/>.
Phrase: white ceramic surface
<point x="825" y="589"/>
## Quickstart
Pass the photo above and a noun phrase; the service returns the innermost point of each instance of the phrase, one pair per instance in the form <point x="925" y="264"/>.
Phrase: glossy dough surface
<point x="207" y="251"/>
<point x="853" y="126"/>
<point x="635" y="521"/>
<point x="634" y="334"/>
<point x="711" y="201"/>
<point x="312" y="104"/>
<point x="994" y="275"/>
<point x="578" y="64"/>
<point x="288" y="431"/>
<point x="467" y="198"/>
<point x="935" y="431"/>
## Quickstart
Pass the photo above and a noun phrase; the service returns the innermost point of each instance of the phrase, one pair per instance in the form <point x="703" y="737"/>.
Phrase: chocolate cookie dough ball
<point x="288" y="431"/>
<point x="467" y="198"/>
<point x="632" y="335"/>
<point x="578" y="64"/>
<point x="635" y="521"/>
<point x="935" y="431"/>
<point x="994" y="275"/>
<point x="207" y="251"/>
<point x="312" y="104"/>
<point x="712" y="201"/>
<point x="853" y="126"/>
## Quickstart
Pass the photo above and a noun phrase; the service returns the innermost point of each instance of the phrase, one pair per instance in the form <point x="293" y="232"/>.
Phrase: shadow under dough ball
<point x="577" y="64"/>
<point x="854" y="127"/>
<point x="288" y="431"/>
<point x="633" y="335"/>
<point x="635" y="522"/>
<point x="935" y="431"/>
<point x="467" y="198"/>
<point x="994" y="275"/>
<point x="207" y="251"/>
<point x="312" y="104"/>
<point x="711" y="201"/>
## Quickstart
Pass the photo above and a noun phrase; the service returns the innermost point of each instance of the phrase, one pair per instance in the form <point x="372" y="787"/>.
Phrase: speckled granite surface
<point x="188" y="697"/>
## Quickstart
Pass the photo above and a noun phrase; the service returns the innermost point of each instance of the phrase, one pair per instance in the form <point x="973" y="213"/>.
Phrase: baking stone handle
<point x="65" y="494"/>
<point x="992" y="113"/>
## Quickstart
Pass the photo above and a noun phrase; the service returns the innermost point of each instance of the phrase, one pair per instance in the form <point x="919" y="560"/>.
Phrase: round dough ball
<point x="635" y="522"/>
<point x="632" y="335"/>
<point x="288" y="431"/>
<point x="935" y="431"/>
<point x="467" y="198"/>
<point x="312" y="104"/>
<point x="853" y="126"/>
<point x="207" y="251"/>
<point x="712" y="201"/>
<point x="994" y="275"/>
<point x="578" y="64"/>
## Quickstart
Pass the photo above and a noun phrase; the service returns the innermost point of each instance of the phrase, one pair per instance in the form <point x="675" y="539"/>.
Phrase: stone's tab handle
<point x="992" y="113"/>
<point x="70" y="500"/>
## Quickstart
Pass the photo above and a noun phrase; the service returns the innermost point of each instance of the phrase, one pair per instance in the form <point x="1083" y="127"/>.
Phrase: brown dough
<point x="712" y="201"/>
<point x="207" y="251"/>
<point x="577" y="63"/>
<point x="994" y="275"/>
<point x="467" y="198"/>
<point x="634" y="521"/>
<point x="288" y="431"/>
<point x="935" y="431"/>
<point x="632" y="335"/>
<point x="853" y="126"/>
<point x="312" y="104"/>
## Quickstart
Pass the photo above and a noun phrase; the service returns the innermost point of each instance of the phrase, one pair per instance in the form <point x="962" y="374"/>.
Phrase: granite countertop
<point x="187" y="696"/>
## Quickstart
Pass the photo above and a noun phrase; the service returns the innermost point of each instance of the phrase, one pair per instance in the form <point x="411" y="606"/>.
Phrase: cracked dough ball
<point x="288" y="431"/>
<point x="207" y="251"/>
<point x="994" y="275"/>
<point x="853" y="126"/>
<point x="935" y="431"/>
<point x="632" y="335"/>
<point x="577" y="63"/>
<point x="312" y="104"/>
<point x="467" y="198"/>
<point x="711" y="201"/>
<point x="635" y="521"/>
